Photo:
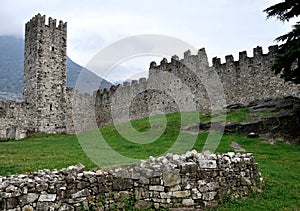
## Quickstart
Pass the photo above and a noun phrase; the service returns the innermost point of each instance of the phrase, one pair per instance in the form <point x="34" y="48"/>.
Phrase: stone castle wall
<point x="16" y="120"/>
<point x="80" y="110"/>
<point x="190" y="84"/>
<point x="199" y="180"/>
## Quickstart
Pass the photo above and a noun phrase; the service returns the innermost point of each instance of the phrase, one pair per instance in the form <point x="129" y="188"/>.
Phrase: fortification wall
<point x="80" y="111"/>
<point x="250" y="78"/>
<point x="190" y="180"/>
<point x="16" y="120"/>
<point x="190" y="84"/>
<point x="171" y="87"/>
<point x="9" y="111"/>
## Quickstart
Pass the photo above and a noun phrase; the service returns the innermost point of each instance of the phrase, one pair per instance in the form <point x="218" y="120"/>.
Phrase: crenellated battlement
<point x="258" y="56"/>
<point x="199" y="61"/>
<point x="108" y="92"/>
<point x="243" y="80"/>
<point x="40" y="21"/>
<point x="201" y="58"/>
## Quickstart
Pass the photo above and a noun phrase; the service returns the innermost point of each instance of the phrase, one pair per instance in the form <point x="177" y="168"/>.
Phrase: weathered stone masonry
<point x="200" y="180"/>
<point x="244" y="80"/>
<point x="48" y="105"/>
<point x="45" y="73"/>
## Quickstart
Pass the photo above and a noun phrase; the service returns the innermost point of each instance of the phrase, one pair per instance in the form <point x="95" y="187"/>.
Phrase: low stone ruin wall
<point x="193" y="179"/>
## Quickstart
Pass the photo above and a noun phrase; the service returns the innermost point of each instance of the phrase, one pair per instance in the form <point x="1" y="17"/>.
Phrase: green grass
<point x="279" y="163"/>
<point x="280" y="167"/>
<point x="236" y="115"/>
<point x="40" y="152"/>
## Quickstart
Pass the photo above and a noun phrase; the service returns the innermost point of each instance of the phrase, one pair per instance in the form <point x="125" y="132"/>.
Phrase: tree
<point x="287" y="61"/>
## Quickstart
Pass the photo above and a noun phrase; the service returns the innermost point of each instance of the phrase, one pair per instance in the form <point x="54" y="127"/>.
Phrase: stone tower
<point x="45" y="73"/>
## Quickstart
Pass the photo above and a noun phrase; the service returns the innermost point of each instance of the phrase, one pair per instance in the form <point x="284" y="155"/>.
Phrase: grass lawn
<point x="40" y="152"/>
<point x="279" y="163"/>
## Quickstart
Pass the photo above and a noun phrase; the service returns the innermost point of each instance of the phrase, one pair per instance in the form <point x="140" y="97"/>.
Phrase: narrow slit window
<point x="50" y="107"/>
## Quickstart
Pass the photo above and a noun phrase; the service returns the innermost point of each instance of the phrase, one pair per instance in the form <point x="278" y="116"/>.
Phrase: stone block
<point x="41" y="187"/>
<point x="207" y="164"/>
<point x="5" y="195"/>
<point x="156" y="188"/>
<point x="125" y="195"/>
<point x="82" y="185"/>
<point x="210" y="204"/>
<point x="174" y="188"/>
<point x="188" y="202"/>
<point x="32" y="197"/>
<point x="11" y="203"/>
<point x="144" y="181"/>
<point x="66" y="207"/>
<point x="47" y="197"/>
<point x="156" y="205"/>
<point x="63" y="194"/>
<point x="142" y="205"/>
<point x="171" y="178"/>
<point x="188" y="167"/>
<point x="121" y="184"/>
<point x="139" y="192"/>
<point x="81" y="193"/>
<point x="212" y="186"/>
<point x="27" y="208"/>
<point x="203" y="188"/>
<point x="196" y="194"/>
<point x="181" y="194"/>
<point x="166" y="195"/>
<point x="209" y="196"/>
<point x="155" y="181"/>
<point x="202" y="182"/>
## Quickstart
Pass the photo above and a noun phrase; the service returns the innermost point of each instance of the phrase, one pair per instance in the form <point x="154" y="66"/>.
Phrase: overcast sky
<point x="221" y="26"/>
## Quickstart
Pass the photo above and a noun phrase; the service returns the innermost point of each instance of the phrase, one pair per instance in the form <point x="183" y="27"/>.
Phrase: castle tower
<point x="45" y="73"/>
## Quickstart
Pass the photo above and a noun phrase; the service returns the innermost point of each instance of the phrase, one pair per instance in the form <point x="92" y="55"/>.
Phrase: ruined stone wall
<point x="45" y="73"/>
<point x="190" y="180"/>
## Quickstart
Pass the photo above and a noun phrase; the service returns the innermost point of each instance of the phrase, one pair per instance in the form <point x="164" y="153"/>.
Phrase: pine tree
<point x="287" y="61"/>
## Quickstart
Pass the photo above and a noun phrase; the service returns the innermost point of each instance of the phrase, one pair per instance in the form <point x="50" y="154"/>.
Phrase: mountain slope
<point x="12" y="67"/>
<point x="11" y="64"/>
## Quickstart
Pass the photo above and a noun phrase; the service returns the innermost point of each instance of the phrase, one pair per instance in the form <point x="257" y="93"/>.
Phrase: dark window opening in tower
<point x="52" y="48"/>
<point x="50" y="107"/>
